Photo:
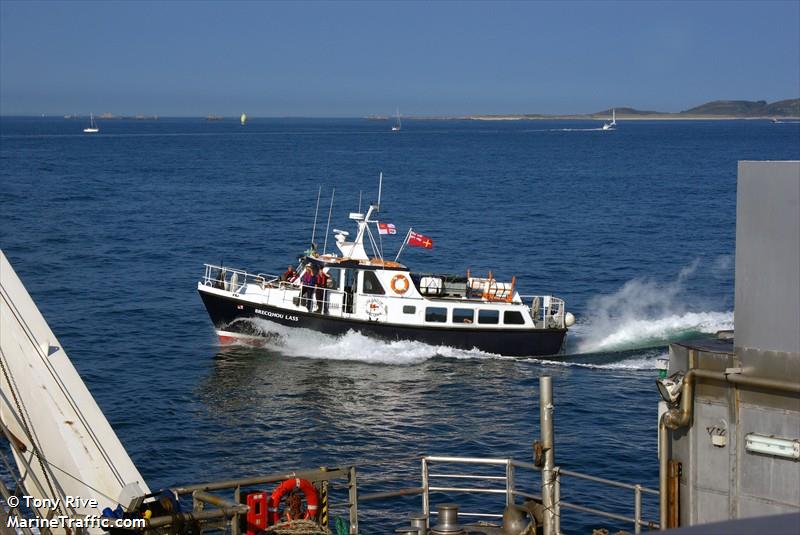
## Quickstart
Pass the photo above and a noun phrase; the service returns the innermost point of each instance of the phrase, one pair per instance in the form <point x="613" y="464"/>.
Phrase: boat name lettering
<point x="277" y="315"/>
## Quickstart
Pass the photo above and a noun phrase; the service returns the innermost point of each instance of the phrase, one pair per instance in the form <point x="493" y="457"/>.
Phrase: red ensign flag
<point x="418" y="240"/>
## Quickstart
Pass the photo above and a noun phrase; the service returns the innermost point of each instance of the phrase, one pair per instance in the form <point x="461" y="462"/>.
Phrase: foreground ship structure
<point x="730" y="420"/>
<point x="385" y="299"/>
<point x="61" y="441"/>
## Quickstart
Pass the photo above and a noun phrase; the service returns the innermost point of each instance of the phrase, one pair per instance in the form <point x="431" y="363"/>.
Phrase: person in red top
<point x="322" y="283"/>
<point x="289" y="275"/>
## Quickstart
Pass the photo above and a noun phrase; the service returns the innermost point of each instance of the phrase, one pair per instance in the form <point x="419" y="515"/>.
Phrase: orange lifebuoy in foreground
<point x="399" y="284"/>
<point x="312" y="500"/>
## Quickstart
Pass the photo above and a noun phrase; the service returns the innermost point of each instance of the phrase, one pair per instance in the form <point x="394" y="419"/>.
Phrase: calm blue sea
<point x="634" y="228"/>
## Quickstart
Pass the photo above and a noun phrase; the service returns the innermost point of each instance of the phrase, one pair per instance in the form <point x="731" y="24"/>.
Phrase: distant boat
<point x="93" y="129"/>
<point x="613" y="124"/>
<point x="243" y="119"/>
<point x="399" y="125"/>
<point x="213" y="117"/>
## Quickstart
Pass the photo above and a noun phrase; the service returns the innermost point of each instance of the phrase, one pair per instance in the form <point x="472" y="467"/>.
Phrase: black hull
<point x="224" y="311"/>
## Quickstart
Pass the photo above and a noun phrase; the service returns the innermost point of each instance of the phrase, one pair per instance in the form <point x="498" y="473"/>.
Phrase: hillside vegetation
<point x="747" y="108"/>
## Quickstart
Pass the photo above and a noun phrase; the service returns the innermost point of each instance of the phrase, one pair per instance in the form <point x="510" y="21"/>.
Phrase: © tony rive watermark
<point x="64" y="521"/>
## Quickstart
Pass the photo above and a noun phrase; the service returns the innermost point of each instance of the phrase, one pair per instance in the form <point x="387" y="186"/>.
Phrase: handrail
<point x="512" y="492"/>
<point x="609" y="482"/>
<point x="546" y="307"/>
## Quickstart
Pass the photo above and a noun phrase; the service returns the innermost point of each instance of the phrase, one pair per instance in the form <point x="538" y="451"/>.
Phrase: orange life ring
<point x="399" y="284"/>
<point x="312" y="500"/>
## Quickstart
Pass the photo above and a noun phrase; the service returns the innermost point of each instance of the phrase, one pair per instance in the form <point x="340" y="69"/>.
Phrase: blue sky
<point x="334" y="59"/>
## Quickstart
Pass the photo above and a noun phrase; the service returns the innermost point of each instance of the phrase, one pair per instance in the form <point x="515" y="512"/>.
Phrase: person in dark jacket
<point x="307" y="290"/>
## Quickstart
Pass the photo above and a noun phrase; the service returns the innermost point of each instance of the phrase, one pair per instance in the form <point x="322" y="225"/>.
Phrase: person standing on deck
<point x="307" y="288"/>
<point x="322" y="283"/>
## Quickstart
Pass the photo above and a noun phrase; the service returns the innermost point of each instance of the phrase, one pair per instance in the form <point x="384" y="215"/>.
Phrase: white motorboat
<point x="384" y="299"/>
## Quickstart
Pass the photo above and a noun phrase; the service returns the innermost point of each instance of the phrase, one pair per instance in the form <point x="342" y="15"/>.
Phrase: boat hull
<point x="230" y="316"/>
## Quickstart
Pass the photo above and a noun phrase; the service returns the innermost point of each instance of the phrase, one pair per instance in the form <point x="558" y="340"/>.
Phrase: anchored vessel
<point x="384" y="299"/>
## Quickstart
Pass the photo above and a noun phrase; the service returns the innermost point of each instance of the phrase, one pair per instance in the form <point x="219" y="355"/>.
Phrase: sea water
<point x="634" y="228"/>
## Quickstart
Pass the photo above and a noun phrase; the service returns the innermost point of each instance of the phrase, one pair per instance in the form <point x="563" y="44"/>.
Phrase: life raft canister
<point x="312" y="500"/>
<point x="399" y="284"/>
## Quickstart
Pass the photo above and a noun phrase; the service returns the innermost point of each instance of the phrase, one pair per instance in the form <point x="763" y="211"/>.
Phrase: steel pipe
<point x="214" y="500"/>
<point x="467" y="489"/>
<point x="546" y="431"/>
<point x="663" y="462"/>
<point x="209" y="514"/>
<point x="315" y="475"/>
<point x="411" y="491"/>
<point x="682" y="417"/>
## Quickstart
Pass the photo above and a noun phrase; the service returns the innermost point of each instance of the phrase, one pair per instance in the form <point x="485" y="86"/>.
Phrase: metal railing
<point x="547" y="311"/>
<point x="234" y="280"/>
<point x="637" y="489"/>
<point x="229" y="511"/>
<point x="237" y="281"/>
<point x="512" y="493"/>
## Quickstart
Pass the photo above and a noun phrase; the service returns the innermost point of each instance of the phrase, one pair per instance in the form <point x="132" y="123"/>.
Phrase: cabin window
<point x="436" y="314"/>
<point x="463" y="315"/>
<point x="489" y="316"/>
<point x="513" y="317"/>
<point x="372" y="285"/>
<point x="409" y="309"/>
<point x="334" y="275"/>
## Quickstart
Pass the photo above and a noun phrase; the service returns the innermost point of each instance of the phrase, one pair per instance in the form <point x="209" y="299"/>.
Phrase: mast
<point x="327" y="228"/>
<point x="380" y="187"/>
<point x="316" y="211"/>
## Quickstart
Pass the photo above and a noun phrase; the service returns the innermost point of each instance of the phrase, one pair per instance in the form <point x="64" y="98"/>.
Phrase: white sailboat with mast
<point x="613" y="124"/>
<point x="398" y="125"/>
<point x="92" y="129"/>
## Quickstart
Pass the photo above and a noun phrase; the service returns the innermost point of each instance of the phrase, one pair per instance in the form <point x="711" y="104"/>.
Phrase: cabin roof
<point x="338" y="261"/>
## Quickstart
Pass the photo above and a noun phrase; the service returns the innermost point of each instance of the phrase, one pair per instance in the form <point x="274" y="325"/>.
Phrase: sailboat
<point x="613" y="124"/>
<point x="243" y="119"/>
<point x="93" y="129"/>
<point x="399" y="125"/>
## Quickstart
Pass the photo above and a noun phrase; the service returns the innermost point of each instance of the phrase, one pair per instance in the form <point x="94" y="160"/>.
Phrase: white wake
<point x="645" y="313"/>
<point x="298" y="342"/>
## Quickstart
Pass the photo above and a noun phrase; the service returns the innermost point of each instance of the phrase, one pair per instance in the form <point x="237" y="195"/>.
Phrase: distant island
<point x="717" y="109"/>
<point x="108" y="116"/>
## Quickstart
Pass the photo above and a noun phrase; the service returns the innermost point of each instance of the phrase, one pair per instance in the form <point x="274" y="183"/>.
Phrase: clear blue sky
<point x="359" y="58"/>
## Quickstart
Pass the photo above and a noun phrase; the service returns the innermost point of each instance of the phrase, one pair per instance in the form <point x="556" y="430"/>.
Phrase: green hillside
<point x="747" y="108"/>
<point x="785" y="108"/>
<point x="628" y="112"/>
